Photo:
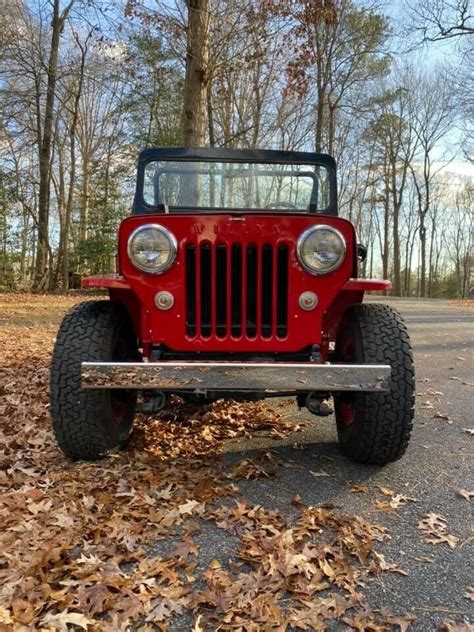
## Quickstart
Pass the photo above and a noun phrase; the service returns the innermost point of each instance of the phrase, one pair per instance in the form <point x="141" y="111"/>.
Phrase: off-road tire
<point x="85" y="422"/>
<point x="382" y="422"/>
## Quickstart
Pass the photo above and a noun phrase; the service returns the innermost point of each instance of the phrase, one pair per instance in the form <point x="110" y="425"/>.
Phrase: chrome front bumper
<point x="270" y="377"/>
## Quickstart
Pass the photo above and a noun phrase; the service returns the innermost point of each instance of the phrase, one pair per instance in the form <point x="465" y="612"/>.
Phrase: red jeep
<point x="236" y="278"/>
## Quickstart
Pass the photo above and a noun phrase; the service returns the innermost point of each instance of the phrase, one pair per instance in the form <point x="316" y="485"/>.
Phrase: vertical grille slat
<point x="191" y="290"/>
<point x="238" y="290"/>
<point x="275" y="281"/>
<point x="206" y="290"/>
<point x="228" y="298"/>
<point x="282" y="292"/>
<point x="221" y="290"/>
<point x="267" y="290"/>
<point x="252" y="273"/>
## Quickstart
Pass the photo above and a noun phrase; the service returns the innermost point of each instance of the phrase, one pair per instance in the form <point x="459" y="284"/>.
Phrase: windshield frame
<point x="181" y="154"/>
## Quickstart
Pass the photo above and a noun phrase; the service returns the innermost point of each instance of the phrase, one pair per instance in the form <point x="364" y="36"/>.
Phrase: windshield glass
<point x="182" y="185"/>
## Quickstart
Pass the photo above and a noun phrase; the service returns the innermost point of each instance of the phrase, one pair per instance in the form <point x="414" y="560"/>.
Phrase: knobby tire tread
<point x="382" y="432"/>
<point x="80" y="416"/>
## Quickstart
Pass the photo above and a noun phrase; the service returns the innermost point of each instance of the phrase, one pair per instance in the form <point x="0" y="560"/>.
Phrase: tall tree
<point x="432" y="119"/>
<point x="395" y="145"/>
<point x="197" y="73"/>
<point x="59" y="16"/>
<point x="337" y="47"/>
<point x="72" y="97"/>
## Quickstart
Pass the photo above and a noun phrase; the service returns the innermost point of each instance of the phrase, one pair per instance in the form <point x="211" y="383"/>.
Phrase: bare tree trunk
<point x="210" y="119"/>
<point x="410" y="262"/>
<point x="386" y="229"/>
<point x="397" y="279"/>
<point x="84" y="213"/>
<point x="430" y="257"/>
<point x="318" y="143"/>
<point x="331" y="129"/>
<point x="72" y="173"/>
<point x="60" y="187"/>
<point x="422" y="256"/>
<point x="24" y="245"/>
<point x="193" y="121"/>
<point x="385" y="253"/>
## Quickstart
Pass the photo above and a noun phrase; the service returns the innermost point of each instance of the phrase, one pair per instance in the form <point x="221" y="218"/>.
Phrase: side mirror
<point x="361" y="252"/>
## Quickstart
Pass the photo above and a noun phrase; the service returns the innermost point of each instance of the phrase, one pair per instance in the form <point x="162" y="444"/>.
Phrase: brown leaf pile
<point x="184" y="429"/>
<point x="78" y="540"/>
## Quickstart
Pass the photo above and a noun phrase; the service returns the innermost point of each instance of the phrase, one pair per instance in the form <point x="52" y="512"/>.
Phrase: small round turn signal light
<point x="308" y="301"/>
<point x="164" y="300"/>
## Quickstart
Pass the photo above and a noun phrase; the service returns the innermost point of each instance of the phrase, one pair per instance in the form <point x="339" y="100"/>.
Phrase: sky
<point x="441" y="52"/>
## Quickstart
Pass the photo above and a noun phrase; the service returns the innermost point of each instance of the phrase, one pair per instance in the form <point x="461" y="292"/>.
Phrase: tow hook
<point x="317" y="404"/>
<point x="153" y="402"/>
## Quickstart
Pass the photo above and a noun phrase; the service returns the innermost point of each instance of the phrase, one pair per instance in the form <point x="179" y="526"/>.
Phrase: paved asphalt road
<point x="439" y="461"/>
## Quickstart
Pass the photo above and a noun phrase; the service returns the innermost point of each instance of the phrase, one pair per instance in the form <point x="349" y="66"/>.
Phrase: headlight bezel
<point x="304" y="236"/>
<point x="173" y="248"/>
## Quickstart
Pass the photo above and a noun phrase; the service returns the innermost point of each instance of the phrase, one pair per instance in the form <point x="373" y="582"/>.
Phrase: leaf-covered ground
<point x="127" y="543"/>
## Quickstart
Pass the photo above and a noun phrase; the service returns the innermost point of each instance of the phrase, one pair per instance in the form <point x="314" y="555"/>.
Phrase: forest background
<point x="387" y="88"/>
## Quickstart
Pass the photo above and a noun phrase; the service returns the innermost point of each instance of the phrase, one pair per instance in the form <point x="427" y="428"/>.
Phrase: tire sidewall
<point x="351" y="434"/>
<point x="117" y="432"/>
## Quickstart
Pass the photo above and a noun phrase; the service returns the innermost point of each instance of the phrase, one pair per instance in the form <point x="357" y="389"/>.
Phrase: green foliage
<point x="448" y="287"/>
<point x="10" y="226"/>
<point x="365" y="34"/>
<point x="95" y="255"/>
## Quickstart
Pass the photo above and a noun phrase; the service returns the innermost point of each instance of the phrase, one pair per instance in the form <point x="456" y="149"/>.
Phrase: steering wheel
<point x="281" y="205"/>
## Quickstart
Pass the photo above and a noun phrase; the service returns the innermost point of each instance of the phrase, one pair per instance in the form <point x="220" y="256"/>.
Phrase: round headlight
<point x="321" y="249"/>
<point x="152" y="248"/>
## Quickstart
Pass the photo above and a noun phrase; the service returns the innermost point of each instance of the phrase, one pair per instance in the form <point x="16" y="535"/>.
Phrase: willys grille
<point x="237" y="289"/>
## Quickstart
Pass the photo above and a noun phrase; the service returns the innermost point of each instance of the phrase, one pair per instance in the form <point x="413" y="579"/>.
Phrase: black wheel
<point x="375" y="427"/>
<point x="89" y="423"/>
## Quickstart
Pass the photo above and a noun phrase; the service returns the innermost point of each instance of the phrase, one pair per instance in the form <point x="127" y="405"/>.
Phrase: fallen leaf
<point x="455" y="626"/>
<point x="189" y="507"/>
<point x="164" y="609"/>
<point x="5" y="617"/>
<point x="369" y="622"/>
<point x="427" y="406"/>
<point x="296" y="501"/>
<point x="385" y="490"/>
<point x="359" y="489"/>
<point x="185" y="548"/>
<point x="464" y="493"/>
<point x="423" y="558"/>
<point x="469" y="594"/>
<point x="41" y="506"/>
<point x="61" y="620"/>
<point x="439" y="415"/>
<point x="250" y="470"/>
<point x="319" y="474"/>
<point x="397" y="501"/>
<point x="197" y="627"/>
<point x="388" y="566"/>
<point x="434" y="527"/>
